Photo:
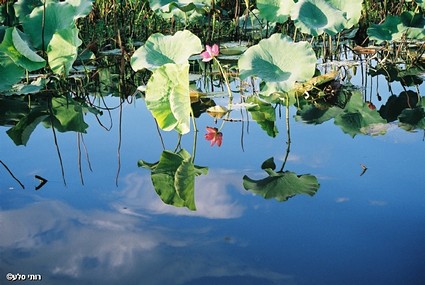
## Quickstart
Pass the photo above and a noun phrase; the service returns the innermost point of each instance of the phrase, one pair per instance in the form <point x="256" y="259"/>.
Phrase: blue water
<point x="367" y="229"/>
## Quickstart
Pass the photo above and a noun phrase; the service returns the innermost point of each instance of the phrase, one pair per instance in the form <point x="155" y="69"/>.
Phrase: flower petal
<point x="215" y="50"/>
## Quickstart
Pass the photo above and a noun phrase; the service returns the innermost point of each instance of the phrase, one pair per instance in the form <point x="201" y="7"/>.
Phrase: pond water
<point x="365" y="224"/>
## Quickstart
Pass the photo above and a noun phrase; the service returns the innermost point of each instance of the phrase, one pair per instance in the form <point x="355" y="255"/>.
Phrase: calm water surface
<point x="357" y="229"/>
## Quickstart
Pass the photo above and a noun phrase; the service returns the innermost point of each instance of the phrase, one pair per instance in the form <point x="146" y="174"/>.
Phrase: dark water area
<point x="365" y="224"/>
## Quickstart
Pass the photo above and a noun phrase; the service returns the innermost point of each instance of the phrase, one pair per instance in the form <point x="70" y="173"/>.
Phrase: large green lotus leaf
<point x="264" y="114"/>
<point x="273" y="61"/>
<point x="67" y="116"/>
<point x="10" y="73"/>
<point x="22" y="131"/>
<point x="282" y="185"/>
<point x="275" y="10"/>
<point x="315" y="17"/>
<point x="358" y="117"/>
<point x="62" y="50"/>
<point x="173" y="178"/>
<point x="414" y="25"/>
<point x="167" y="97"/>
<point x="17" y="48"/>
<point x="391" y="29"/>
<point x="58" y="16"/>
<point x="25" y="7"/>
<point x="159" y="50"/>
<point x="352" y="10"/>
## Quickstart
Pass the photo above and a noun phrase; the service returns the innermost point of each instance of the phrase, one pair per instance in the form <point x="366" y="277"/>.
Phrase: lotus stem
<point x="229" y="91"/>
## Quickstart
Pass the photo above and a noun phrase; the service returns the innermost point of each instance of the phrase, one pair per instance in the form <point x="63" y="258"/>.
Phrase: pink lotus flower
<point x="214" y="136"/>
<point x="210" y="53"/>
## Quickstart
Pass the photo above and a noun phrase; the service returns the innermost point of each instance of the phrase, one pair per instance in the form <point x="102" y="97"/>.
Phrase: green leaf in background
<point x="24" y="89"/>
<point x="273" y="61"/>
<point x="16" y="47"/>
<point x="173" y="178"/>
<point x="391" y="29"/>
<point x="25" y="7"/>
<point x="264" y="114"/>
<point x="316" y="17"/>
<point x="281" y="185"/>
<point x="10" y="73"/>
<point x="159" y="50"/>
<point x="275" y="10"/>
<point x="167" y="97"/>
<point x="62" y="50"/>
<point x="352" y="10"/>
<point x="58" y="16"/>
<point x="414" y="24"/>
<point x="67" y="115"/>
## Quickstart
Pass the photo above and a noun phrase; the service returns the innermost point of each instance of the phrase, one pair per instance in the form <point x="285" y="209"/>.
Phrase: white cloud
<point x="212" y="196"/>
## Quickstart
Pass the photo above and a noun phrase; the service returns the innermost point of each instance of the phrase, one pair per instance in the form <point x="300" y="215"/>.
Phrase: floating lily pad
<point x="273" y="61"/>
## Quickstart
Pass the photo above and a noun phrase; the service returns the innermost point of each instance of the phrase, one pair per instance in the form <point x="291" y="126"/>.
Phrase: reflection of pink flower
<point x="210" y="52"/>
<point x="214" y="136"/>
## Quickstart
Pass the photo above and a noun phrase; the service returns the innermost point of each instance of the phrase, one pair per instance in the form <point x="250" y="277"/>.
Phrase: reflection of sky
<point x="365" y="229"/>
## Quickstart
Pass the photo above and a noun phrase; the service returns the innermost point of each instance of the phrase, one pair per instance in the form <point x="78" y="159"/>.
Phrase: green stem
<point x="229" y="91"/>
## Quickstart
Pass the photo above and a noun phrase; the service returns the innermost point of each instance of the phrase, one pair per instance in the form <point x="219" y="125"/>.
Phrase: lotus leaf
<point x="17" y="48"/>
<point x="315" y="17"/>
<point x="62" y="50"/>
<point x="281" y="185"/>
<point x="352" y="10"/>
<point x="58" y="16"/>
<point x="183" y="5"/>
<point x="173" y="178"/>
<point x="25" y="7"/>
<point x="159" y="50"/>
<point x="10" y="73"/>
<point x="279" y="62"/>
<point x="275" y="10"/>
<point x="167" y="97"/>
<point x="390" y="29"/>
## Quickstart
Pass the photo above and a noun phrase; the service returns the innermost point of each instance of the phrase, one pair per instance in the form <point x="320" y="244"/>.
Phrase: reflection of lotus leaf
<point x="317" y="16"/>
<point x="282" y="185"/>
<point x="173" y="178"/>
<point x="413" y="118"/>
<point x="273" y="61"/>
